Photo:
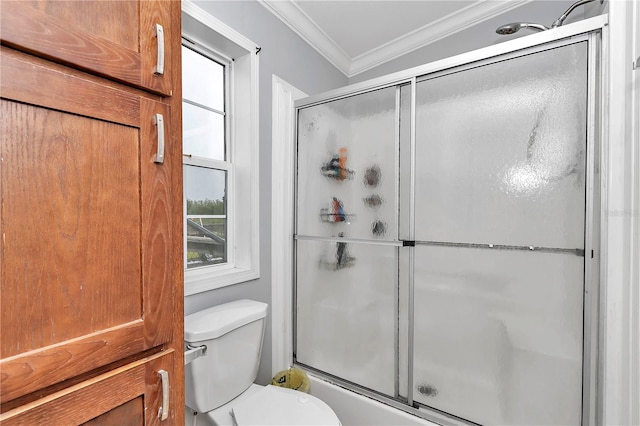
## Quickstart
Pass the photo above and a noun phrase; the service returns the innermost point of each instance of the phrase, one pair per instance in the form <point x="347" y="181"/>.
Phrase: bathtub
<point x="354" y="409"/>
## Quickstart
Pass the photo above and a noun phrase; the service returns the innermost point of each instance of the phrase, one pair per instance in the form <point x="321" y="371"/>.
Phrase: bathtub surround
<point x="358" y="410"/>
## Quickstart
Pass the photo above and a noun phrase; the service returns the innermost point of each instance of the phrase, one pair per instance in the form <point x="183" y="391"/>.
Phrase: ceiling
<point x="358" y="35"/>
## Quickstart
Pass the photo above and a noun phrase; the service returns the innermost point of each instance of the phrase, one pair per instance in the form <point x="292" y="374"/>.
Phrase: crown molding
<point x="190" y="8"/>
<point x="296" y="19"/>
<point x="451" y="24"/>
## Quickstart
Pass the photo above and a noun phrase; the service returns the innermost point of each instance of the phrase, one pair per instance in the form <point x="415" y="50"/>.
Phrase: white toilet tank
<point x="232" y="333"/>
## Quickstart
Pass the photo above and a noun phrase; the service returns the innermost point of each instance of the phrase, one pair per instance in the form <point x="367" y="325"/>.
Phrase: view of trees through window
<point x="206" y="235"/>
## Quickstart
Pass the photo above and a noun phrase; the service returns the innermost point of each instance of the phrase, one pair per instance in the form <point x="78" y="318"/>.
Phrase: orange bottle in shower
<point x="343" y="162"/>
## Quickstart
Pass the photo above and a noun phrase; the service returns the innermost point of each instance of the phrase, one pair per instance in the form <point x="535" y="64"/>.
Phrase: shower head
<point x="558" y="22"/>
<point x="517" y="26"/>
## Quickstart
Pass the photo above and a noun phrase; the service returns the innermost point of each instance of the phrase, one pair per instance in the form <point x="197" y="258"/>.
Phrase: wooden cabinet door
<point x="130" y="395"/>
<point x="86" y="219"/>
<point x="123" y="47"/>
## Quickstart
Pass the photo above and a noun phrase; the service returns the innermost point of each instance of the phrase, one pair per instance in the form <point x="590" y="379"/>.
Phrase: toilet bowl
<point x="272" y="405"/>
<point x="219" y="388"/>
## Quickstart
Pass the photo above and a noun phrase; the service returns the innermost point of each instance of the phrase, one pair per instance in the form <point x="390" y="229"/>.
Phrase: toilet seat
<point x="273" y="405"/>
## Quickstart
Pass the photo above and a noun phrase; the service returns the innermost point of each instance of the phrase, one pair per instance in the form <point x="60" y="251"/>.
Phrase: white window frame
<point x="214" y="164"/>
<point x="241" y="148"/>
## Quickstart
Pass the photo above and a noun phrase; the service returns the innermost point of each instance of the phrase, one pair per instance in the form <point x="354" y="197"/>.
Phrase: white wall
<point x="285" y="54"/>
<point x="620" y="278"/>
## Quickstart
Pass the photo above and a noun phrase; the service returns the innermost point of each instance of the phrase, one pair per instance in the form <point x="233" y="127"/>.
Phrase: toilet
<point x="219" y="389"/>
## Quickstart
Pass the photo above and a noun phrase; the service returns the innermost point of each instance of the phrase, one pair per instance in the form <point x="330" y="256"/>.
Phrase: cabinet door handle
<point x="160" y="62"/>
<point x="163" y="412"/>
<point x="159" y="122"/>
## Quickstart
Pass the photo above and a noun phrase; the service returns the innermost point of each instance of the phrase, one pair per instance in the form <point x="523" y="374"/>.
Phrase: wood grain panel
<point x="33" y="31"/>
<point x="93" y="13"/>
<point x="157" y="222"/>
<point x="82" y="402"/>
<point x="122" y="48"/>
<point x="129" y="413"/>
<point x="91" y="259"/>
<point x="30" y="371"/>
<point x="71" y="247"/>
<point x="157" y="12"/>
<point x="30" y="80"/>
<point x="175" y="158"/>
<point x="153" y="394"/>
<point x="89" y="211"/>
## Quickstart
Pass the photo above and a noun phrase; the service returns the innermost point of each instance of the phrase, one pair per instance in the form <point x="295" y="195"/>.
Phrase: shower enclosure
<point x="444" y="238"/>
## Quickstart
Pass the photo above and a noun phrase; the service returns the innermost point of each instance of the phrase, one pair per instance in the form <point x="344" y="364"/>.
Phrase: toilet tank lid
<point x="218" y="320"/>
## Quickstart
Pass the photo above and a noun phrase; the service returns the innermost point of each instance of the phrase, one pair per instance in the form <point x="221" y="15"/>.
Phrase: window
<point x="204" y="140"/>
<point x="220" y="153"/>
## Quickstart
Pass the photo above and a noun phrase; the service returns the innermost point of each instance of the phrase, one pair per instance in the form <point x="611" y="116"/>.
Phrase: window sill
<point x="200" y="281"/>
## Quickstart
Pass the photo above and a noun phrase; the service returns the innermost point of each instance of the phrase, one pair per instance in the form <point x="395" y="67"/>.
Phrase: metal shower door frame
<point x="593" y="31"/>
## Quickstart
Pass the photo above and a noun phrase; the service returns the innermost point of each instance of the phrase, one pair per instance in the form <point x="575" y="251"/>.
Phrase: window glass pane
<point x="202" y="80"/>
<point x="205" y="191"/>
<point x="203" y="132"/>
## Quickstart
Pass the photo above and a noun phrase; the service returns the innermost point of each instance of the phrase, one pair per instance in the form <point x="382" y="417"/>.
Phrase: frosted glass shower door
<point x="499" y="212"/>
<point x="346" y="315"/>
<point x="347" y="168"/>
<point x="347" y="231"/>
